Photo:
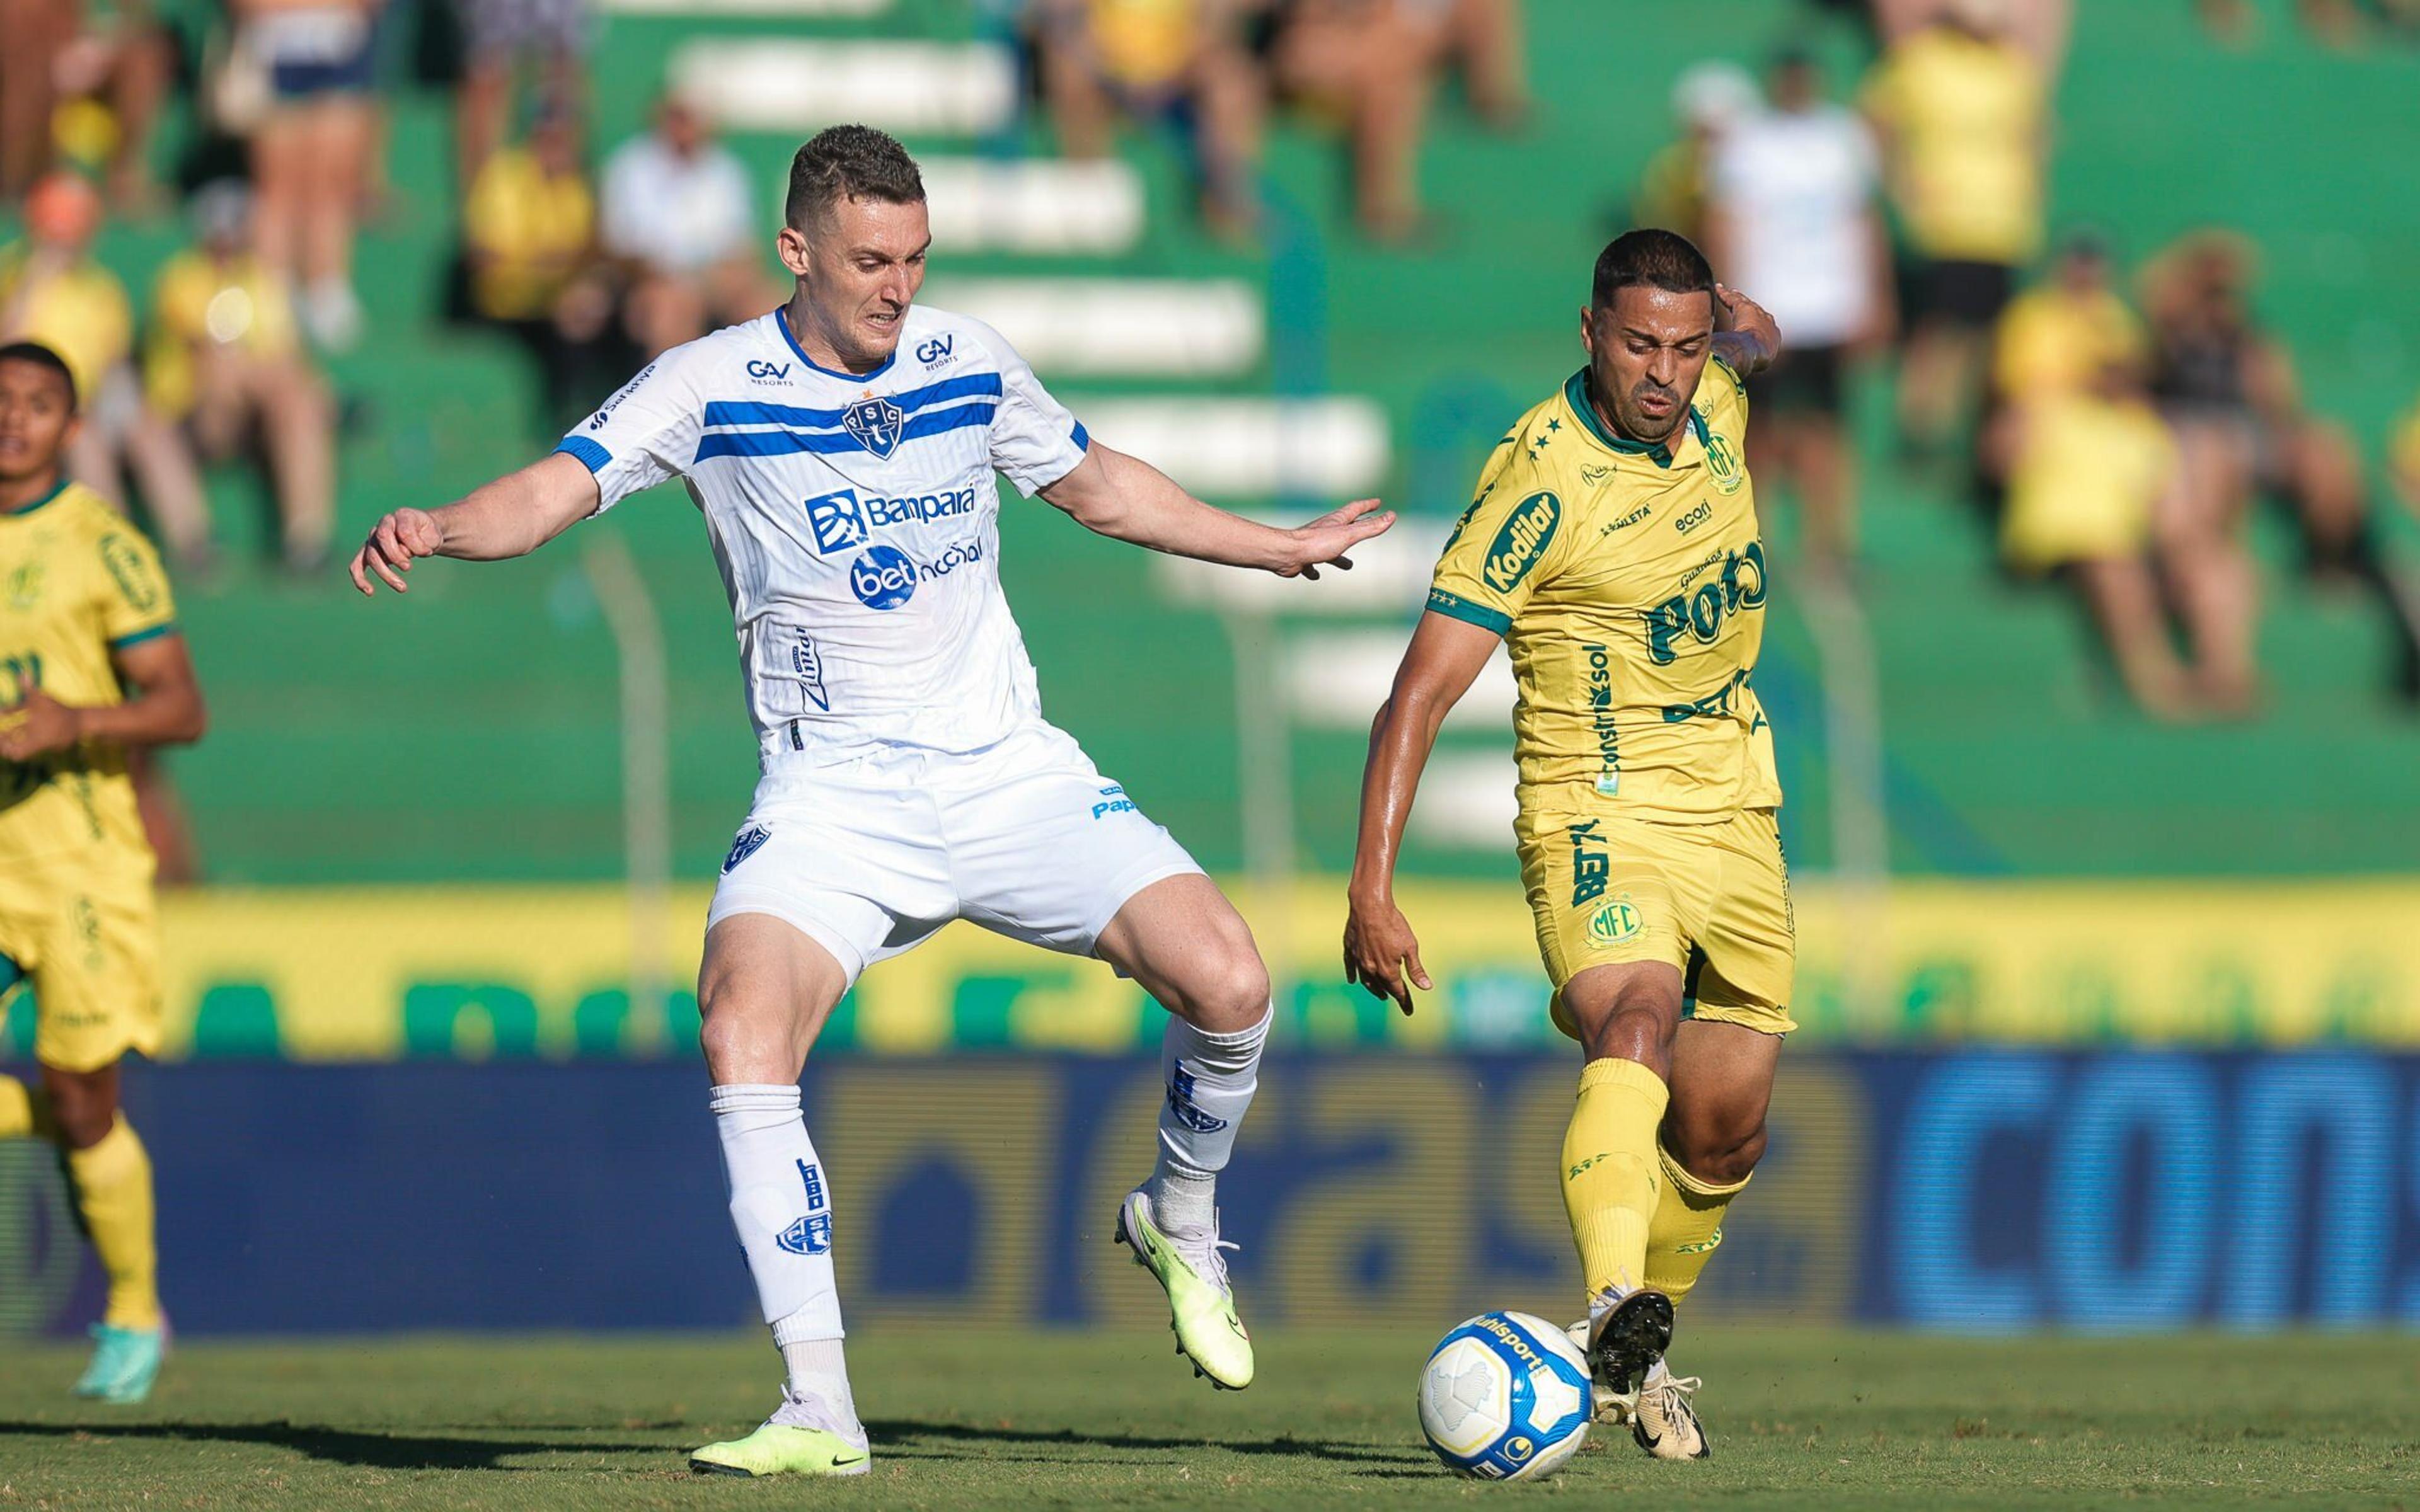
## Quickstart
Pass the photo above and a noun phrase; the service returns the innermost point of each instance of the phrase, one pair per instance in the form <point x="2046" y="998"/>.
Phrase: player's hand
<point x="394" y="541"/>
<point x="1323" y="542"/>
<point x="37" y="727"/>
<point x="1736" y="313"/>
<point x="1382" y="954"/>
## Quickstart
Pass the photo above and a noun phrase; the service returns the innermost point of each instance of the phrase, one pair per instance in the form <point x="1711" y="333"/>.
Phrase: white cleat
<point x="1663" y="1419"/>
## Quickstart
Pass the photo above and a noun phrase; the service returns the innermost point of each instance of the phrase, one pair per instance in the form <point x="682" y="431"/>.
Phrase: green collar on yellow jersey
<point x="59" y="488"/>
<point x="1576" y="394"/>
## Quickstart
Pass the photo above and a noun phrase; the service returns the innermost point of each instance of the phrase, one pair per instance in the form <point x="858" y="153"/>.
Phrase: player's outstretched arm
<point x="1745" y="335"/>
<point x="509" y="518"/>
<point x="1127" y="499"/>
<point x="1443" y="660"/>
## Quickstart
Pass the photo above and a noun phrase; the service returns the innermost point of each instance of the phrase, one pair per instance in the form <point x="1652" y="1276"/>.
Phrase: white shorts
<point x="869" y="857"/>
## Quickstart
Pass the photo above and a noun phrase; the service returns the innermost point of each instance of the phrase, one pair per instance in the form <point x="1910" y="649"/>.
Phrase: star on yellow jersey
<point x="1629" y="585"/>
<point x="77" y="584"/>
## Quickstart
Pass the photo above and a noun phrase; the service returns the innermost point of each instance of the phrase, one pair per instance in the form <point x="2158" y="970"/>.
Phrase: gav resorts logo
<point x="765" y="372"/>
<point x="1524" y="538"/>
<point x="877" y="425"/>
<point x="936" y="351"/>
<point x="883" y="577"/>
<point x="1615" y="923"/>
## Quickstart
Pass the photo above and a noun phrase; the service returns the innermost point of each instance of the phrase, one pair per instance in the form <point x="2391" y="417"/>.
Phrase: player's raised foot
<point x="1628" y="1332"/>
<point x="1201" y="1304"/>
<point x="802" y="1437"/>
<point x="1605" y="1405"/>
<point x="1664" y="1420"/>
<point x="124" y="1363"/>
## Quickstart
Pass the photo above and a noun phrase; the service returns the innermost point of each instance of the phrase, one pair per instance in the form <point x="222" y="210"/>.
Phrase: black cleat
<point x="1626" y="1340"/>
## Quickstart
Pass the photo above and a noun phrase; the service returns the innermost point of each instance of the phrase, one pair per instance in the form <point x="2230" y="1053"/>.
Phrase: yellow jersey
<point x="78" y="583"/>
<point x="198" y="300"/>
<point x="2085" y="481"/>
<point x="1965" y="116"/>
<point x="532" y="230"/>
<point x="2403" y="451"/>
<point x="1629" y="584"/>
<point x="80" y="312"/>
<point x="2051" y="342"/>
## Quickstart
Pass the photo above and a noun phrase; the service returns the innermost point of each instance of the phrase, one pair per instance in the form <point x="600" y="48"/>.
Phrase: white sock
<point x="1210" y="1079"/>
<point x="781" y="1204"/>
<point x="818" y="1395"/>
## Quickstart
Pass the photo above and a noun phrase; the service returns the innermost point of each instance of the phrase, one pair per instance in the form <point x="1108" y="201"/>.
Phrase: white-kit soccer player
<point x="842" y="450"/>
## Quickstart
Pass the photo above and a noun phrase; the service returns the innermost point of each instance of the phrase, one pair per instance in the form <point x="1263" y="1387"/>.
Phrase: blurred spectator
<point x="1960" y="108"/>
<point x="2041" y="28"/>
<point x="315" y="61"/>
<point x="505" y="41"/>
<point x="1377" y="63"/>
<point x="2059" y="335"/>
<point x="1793" y="220"/>
<point x="1149" y="60"/>
<point x="676" y="215"/>
<point x="2233" y="396"/>
<point x="2403" y="459"/>
<point x="528" y="233"/>
<point x="223" y="361"/>
<point x="81" y="80"/>
<point x="54" y="292"/>
<point x="2088" y="468"/>
<point x="1706" y="99"/>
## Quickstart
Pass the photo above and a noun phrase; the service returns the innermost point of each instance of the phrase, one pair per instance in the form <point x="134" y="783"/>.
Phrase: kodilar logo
<point x="1523" y="540"/>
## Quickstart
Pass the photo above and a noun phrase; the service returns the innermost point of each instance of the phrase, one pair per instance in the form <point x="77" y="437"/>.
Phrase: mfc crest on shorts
<point x="909" y="776"/>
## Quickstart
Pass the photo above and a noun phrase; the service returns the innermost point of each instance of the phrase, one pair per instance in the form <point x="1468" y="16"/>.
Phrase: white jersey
<point x="856" y="520"/>
<point x="1796" y="191"/>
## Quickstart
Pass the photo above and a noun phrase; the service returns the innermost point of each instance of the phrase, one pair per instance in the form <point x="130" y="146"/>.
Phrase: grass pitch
<point x="986" y="1418"/>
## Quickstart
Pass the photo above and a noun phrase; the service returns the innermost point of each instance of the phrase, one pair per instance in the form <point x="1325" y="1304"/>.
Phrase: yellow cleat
<point x="779" y="1450"/>
<point x="1201" y="1303"/>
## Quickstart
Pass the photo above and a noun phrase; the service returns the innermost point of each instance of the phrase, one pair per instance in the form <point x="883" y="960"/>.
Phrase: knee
<point x="83" y="1109"/>
<point x="1232" y="993"/>
<point x="1636" y="1026"/>
<point x="1721" y="1149"/>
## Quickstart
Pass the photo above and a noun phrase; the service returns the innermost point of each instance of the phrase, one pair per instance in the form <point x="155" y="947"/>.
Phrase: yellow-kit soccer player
<point x="90" y="665"/>
<point x="1613" y="549"/>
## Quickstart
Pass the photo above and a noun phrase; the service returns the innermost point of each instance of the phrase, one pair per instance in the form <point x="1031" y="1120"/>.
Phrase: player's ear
<point x="1588" y="329"/>
<point x="791" y="244"/>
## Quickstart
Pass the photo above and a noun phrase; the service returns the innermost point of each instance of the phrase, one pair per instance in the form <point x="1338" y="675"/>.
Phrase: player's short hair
<point x="848" y="163"/>
<point x="1659" y="259"/>
<point x="41" y="356"/>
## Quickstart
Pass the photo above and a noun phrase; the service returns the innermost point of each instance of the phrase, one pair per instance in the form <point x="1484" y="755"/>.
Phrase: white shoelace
<point x="1682" y="1387"/>
<point x="1202" y="1251"/>
<point x="797" y="1412"/>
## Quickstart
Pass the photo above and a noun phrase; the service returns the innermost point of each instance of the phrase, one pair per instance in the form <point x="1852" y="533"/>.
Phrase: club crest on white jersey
<point x="854" y="518"/>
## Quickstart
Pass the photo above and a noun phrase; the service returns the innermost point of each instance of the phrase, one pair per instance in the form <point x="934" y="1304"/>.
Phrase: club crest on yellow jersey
<point x="1722" y="460"/>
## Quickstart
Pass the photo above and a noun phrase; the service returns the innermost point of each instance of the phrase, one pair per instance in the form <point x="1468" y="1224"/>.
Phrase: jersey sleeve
<point x="135" y="603"/>
<point x="645" y="434"/>
<point x="1035" y="441"/>
<point x="1724" y="395"/>
<point x="1505" y="545"/>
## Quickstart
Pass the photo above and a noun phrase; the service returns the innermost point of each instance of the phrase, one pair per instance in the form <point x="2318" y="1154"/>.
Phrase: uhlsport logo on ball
<point x="1505" y="1397"/>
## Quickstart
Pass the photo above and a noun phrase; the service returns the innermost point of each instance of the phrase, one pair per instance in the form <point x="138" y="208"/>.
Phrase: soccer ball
<point x="1505" y="1397"/>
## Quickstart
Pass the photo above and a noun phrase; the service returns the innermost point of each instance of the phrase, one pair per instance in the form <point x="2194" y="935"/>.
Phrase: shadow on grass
<point x="341" y="1446"/>
<point x="979" y="1438"/>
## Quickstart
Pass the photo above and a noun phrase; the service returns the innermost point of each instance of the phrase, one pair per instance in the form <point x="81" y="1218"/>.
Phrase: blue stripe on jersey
<point x="783" y="442"/>
<point x="752" y="412"/>
<point x="1082" y="437"/>
<point x="591" y="456"/>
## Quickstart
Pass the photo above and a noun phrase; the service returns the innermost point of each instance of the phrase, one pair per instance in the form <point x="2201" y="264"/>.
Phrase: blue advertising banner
<point x="1979" y="1190"/>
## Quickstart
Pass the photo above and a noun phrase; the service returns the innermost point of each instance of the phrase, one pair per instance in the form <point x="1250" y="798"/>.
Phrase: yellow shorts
<point x="87" y="941"/>
<point x="1712" y="900"/>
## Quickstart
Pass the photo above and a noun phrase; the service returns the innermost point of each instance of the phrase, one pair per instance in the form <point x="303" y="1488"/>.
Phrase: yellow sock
<point x="22" y="1112"/>
<point x="1687" y="1225"/>
<point x="113" y="1192"/>
<point x="1609" y="1170"/>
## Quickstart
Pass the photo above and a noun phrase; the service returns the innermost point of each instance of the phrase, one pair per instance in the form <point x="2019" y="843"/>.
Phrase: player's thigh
<point x="1722" y="1084"/>
<point x="1186" y="946"/>
<point x="1748" y="948"/>
<point x="764" y="990"/>
<point x="95" y="972"/>
<point x="1046" y="849"/>
<point x="1603" y="892"/>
